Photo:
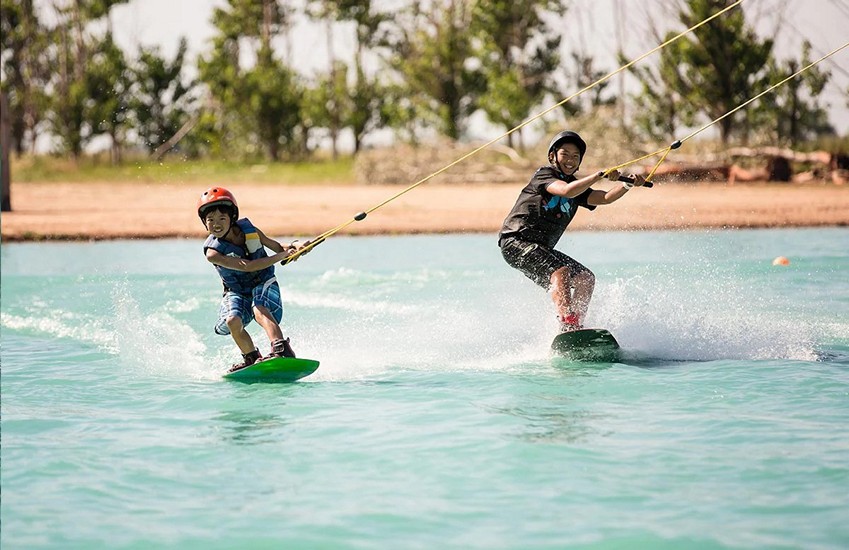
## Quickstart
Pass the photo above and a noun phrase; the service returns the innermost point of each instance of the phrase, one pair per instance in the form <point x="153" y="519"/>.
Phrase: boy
<point x="237" y="250"/>
<point x="543" y="210"/>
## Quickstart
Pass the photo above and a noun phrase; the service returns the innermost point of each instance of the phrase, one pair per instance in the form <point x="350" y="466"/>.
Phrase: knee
<point x="261" y="312"/>
<point x="585" y="278"/>
<point x="234" y="324"/>
<point x="560" y="278"/>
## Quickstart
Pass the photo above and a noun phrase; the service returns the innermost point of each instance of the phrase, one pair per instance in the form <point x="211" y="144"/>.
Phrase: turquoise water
<point x="437" y="418"/>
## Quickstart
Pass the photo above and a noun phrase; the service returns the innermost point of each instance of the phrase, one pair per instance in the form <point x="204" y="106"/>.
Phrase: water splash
<point x="668" y="316"/>
<point x="61" y="324"/>
<point x="154" y="342"/>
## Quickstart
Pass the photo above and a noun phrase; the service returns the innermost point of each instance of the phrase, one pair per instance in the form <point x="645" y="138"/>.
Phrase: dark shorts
<point x="536" y="261"/>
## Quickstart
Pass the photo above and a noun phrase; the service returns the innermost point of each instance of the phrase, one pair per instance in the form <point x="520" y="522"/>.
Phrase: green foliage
<point x="108" y="83"/>
<point x="335" y="101"/>
<point x="175" y="170"/>
<point x="426" y="65"/>
<point x="97" y="9"/>
<point x="257" y="108"/>
<point x="366" y="96"/>
<point x="586" y="74"/>
<point x="259" y="20"/>
<point x="518" y="53"/>
<point x="89" y="85"/>
<point x="272" y="98"/>
<point x="791" y="112"/>
<point x="660" y="109"/>
<point x="67" y="117"/>
<point x="722" y="64"/>
<point x="431" y="49"/>
<point x="327" y="104"/>
<point x="160" y="102"/>
<point x="26" y="67"/>
<point x="707" y="73"/>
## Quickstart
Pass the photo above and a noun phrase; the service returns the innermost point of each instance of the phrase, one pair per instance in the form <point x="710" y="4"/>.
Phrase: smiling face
<point x="567" y="157"/>
<point x="217" y="222"/>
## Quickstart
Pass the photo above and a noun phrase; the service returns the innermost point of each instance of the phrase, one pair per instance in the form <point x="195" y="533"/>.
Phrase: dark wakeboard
<point x="588" y="344"/>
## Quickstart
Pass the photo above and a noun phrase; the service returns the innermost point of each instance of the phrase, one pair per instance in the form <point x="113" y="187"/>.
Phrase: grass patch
<point x="43" y="168"/>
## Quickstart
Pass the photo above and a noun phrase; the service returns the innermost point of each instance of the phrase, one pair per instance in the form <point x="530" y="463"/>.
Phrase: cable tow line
<point x="362" y="215"/>
<point x="676" y="144"/>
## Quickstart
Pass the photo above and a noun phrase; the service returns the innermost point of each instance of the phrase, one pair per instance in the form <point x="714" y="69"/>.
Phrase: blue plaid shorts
<point x="241" y="305"/>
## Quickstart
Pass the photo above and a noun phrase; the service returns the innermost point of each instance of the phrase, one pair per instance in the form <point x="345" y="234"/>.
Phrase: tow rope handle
<point x="675" y="145"/>
<point x="309" y="246"/>
<point x="627" y="179"/>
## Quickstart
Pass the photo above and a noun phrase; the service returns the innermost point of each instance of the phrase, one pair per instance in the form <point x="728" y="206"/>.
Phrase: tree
<point x="108" y="91"/>
<point x="432" y="53"/>
<point x="792" y="110"/>
<point x="586" y="74"/>
<point x="257" y="107"/>
<point x="161" y="101"/>
<point x="721" y="65"/>
<point x="273" y="98"/>
<point x="69" y="89"/>
<point x="5" y="146"/>
<point x="327" y="99"/>
<point x="327" y="103"/>
<point x="366" y="97"/>
<point x="71" y="105"/>
<point x="362" y="97"/>
<point x="26" y="70"/>
<point x="518" y="54"/>
<point x="660" y="109"/>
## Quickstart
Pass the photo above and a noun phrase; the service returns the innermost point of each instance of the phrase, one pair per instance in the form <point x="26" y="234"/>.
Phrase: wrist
<point x="627" y="185"/>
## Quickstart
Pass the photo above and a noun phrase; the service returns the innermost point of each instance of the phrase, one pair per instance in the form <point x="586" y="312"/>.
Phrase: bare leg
<point x="561" y="292"/>
<point x="562" y="285"/>
<point x="584" y="284"/>
<point x="268" y="323"/>
<point x="240" y="335"/>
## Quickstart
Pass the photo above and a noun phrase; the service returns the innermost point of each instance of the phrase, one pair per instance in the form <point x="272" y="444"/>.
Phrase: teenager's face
<point x="568" y="156"/>
<point x="217" y="222"/>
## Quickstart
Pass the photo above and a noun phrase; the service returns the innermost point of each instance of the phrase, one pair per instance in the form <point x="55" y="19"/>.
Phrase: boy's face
<point x="568" y="156"/>
<point x="217" y="222"/>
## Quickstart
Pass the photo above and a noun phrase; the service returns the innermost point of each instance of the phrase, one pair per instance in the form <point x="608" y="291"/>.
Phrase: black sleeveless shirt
<point x="540" y="217"/>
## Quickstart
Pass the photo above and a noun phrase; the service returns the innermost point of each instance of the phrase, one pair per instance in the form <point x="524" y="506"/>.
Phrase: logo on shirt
<point x="564" y="204"/>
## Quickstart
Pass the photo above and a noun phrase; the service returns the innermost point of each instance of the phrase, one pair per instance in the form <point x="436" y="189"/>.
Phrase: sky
<point x="597" y="27"/>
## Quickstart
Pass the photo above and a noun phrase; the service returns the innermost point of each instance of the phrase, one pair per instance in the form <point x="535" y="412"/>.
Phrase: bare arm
<point x="288" y="249"/>
<point x="269" y="243"/>
<point x="598" y="197"/>
<point x="574" y="188"/>
<point x="241" y="264"/>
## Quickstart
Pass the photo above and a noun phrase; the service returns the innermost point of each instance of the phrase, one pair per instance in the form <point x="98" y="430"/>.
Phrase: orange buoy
<point x="781" y="260"/>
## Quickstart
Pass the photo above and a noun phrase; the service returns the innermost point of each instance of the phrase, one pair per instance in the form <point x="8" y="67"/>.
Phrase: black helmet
<point x="567" y="137"/>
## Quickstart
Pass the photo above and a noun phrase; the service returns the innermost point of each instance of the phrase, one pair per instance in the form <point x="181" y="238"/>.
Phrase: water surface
<point x="437" y="418"/>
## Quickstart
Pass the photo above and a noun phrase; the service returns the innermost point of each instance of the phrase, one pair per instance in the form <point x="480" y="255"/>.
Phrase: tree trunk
<point x="334" y="101"/>
<point x="5" y="173"/>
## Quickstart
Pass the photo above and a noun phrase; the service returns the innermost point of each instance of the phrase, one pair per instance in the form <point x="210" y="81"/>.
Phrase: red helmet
<point x="217" y="196"/>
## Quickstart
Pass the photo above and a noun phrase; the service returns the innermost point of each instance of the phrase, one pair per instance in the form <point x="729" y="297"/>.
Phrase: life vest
<point x="540" y="217"/>
<point x="241" y="282"/>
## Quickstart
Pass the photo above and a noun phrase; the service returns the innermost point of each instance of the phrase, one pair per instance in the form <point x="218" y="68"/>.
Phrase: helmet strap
<point x="229" y="229"/>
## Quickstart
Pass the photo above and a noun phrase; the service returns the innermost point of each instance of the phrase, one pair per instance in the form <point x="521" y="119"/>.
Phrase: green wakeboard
<point x="275" y="369"/>
<point x="589" y="344"/>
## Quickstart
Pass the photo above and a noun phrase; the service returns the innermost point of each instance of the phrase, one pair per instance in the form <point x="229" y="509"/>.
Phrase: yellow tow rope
<point x="676" y="144"/>
<point x="362" y="215"/>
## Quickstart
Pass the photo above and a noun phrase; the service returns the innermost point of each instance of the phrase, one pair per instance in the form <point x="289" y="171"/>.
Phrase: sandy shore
<point x="111" y="211"/>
